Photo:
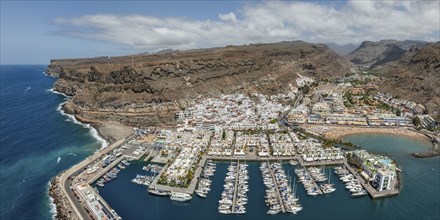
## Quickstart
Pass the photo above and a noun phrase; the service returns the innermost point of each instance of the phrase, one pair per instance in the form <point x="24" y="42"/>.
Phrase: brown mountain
<point x="416" y="76"/>
<point x="143" y="90"/>
<point x="372" y="54"/>
<point x="411" y="69"/>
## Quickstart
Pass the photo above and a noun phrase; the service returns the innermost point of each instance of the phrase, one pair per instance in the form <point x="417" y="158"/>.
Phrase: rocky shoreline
<point x="63" y="207"/>
<point x="435" y="152"/>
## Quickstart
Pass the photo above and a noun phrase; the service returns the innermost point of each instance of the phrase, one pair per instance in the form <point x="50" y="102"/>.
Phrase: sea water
<point x="419" y="197"/>
<point x="36" y="141"/>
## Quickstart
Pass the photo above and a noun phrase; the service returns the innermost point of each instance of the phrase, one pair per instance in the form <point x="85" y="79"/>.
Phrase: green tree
<point x="416" y="121"/>
<point x="305" y="89"/>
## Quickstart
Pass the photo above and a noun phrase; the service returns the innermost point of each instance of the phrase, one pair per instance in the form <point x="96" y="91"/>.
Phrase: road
<point x="283" y="115"/>
<point x="69" y="176"/>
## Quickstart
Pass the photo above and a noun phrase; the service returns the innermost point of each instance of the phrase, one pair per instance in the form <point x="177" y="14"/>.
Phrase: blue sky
<point x="33" y="32"/>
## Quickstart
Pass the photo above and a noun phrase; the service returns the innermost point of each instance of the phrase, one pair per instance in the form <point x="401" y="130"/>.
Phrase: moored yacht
<point x="181" y="197"/>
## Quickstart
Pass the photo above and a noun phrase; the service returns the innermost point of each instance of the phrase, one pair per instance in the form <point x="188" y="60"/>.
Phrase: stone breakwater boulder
<point x="63" y="207"/>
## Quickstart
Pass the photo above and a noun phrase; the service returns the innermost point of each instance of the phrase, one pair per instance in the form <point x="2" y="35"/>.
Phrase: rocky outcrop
<point x="63" y="207"/>
<point x="431" y="153"/>
<point x="144" y="90"/>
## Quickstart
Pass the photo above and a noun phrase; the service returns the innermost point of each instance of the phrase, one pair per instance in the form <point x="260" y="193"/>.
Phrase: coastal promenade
<point x="251" y="158"/>
<point x="319" y="163"/>
<point x="69" y="176"/>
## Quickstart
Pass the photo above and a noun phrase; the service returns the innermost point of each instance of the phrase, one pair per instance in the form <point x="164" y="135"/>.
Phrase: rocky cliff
<point x="143" y="90"/>
<point x="416" y="76"/>
<point x="411" y="69"/>
<point x="372" y="54"/>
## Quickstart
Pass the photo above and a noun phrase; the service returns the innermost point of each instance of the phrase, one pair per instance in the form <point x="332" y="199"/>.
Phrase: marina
<point x="234" y="195"/>
<point x="339" y="201"/>
<point x="204" y="185"/>
<point x="188" y="172"/>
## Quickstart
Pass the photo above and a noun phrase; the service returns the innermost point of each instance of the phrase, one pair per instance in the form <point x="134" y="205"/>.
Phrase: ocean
<point x="37" y="142"/>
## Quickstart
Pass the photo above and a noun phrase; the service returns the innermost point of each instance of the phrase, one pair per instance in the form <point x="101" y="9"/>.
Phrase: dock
<point x="283" y="209"/>
<point x="251" y="158"/>
<point x="190" y="189"/>
<point x="319" y="163"/>
<point x="312" y="180"/>
<point x="235" y="186"/>
<point x="371" y="191"/>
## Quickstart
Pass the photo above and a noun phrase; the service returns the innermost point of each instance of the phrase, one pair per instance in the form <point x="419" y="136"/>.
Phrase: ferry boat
<point x="181" y="197"/>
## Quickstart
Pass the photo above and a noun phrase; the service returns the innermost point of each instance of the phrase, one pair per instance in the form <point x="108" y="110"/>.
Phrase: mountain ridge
<point x="410" y="69"/>
<point x="147" y="90"/>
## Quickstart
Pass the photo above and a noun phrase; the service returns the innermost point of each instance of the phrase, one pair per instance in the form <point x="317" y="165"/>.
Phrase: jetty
<point x="234" y="199"/>
<point x="319" y="163"/>
<point x="277" y="189"/>
<point x="371" y="191"/>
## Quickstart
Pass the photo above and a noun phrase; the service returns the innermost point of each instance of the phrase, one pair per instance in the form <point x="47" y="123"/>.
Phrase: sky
<point x="34" y="32"/>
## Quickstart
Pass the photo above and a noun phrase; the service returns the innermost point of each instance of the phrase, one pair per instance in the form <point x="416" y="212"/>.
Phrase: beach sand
<point x="338" y="132"/>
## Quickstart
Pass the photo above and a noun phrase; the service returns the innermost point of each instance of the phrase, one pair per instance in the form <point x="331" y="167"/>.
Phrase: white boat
<point x="359" y="193"/>
<point x="180" y="197"/>
<point x="158" y="192"/>
<point x="273" y="212"/>
<point x="225" y="211"/>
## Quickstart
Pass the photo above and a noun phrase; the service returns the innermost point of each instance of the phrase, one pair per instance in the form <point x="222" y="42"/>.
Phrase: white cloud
<point x="228" y="17"/>
<point x="269" y="21"/>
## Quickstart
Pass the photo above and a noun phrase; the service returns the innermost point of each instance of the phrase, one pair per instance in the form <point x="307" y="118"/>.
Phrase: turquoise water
<point x="33" y="135"/>
<point x="419" y="198"/>
<point x="420" y="194"/>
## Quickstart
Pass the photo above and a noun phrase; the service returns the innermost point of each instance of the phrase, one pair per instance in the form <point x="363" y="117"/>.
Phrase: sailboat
<point x="328" y="187"/>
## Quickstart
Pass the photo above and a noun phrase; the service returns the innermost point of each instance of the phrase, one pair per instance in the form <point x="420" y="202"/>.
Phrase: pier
<point x="235" y="185"/>
<point x="371" y="191"/>
<point x="69" y="180"/>
<point x="320" y="163"/>
<point x="251" y="158"/>
<point x="190" y="189"/>
<point x="283" y="209"/>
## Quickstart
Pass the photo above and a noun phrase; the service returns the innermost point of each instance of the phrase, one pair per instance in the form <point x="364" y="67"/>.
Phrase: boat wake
<point x="71" y="154"/>
<point x="26" y="90"/>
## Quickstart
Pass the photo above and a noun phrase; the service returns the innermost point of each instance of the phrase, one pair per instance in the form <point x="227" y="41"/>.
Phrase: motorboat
<point x="180" y="197"/>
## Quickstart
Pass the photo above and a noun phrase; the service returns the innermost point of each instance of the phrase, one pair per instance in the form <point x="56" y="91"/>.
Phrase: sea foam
<point x="53" y="207"/>
<point x="72" y="118"/>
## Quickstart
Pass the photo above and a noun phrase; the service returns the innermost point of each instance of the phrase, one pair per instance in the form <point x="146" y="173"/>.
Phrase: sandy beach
<point x="338" y="132"/>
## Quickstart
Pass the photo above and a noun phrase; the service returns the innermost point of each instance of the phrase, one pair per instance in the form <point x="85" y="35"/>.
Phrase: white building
<point x="383" y="180"/>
